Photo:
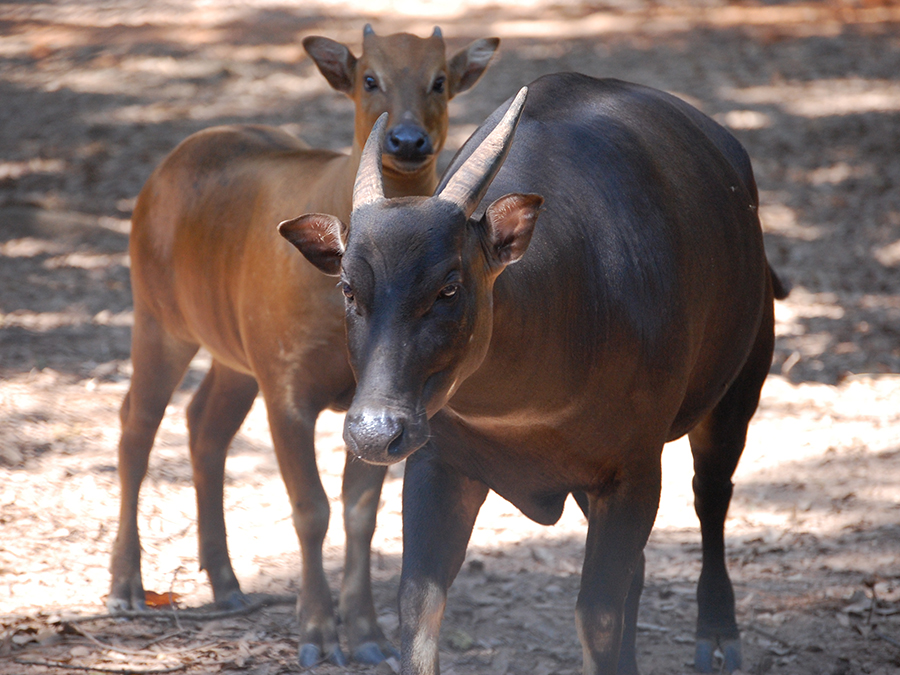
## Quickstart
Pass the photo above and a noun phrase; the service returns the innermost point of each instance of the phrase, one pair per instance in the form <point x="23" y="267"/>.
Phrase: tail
<point x="780" y="287"/>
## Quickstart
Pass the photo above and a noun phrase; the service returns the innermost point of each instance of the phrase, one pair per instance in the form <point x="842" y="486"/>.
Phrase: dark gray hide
<point x="641" y="311"/>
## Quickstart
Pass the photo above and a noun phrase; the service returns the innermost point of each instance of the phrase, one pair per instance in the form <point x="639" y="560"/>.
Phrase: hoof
<point x="234" y="600"/>
<point x="731" y="651"/>
<point x="371" y="654"/>
<point x="309" y="655"/>
<point x="703" y="656"/>
<point x="123" y="605"/>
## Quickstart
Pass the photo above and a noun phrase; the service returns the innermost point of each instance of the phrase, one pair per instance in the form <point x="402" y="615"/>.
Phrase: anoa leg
<point x="439" y="510"/>
<point x="214" y="416"/>
<point x="619" y="524"/>
<point x="361" y="494"/>
<point x="159" y="362"/>
<point x="717" y="443"/>
<point x="293" y="429"/>
<point x="628" y="651"/>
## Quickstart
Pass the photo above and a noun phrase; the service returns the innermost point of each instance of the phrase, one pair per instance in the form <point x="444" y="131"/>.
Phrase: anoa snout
<point x="408" y="142"/>
<point x="380" y="435"/>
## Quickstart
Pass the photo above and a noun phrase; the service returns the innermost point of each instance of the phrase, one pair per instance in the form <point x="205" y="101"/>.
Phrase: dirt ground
<point x="93" y="93"/>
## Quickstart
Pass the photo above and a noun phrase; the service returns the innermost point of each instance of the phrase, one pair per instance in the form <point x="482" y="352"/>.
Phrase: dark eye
<point x="370" y="83"/>
<point x="347" y="290"/>
<point x="448" y="291"/>
<point x="438" y="86"/>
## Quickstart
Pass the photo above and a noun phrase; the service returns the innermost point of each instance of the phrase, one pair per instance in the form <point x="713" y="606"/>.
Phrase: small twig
<point x="886" y="638"/>
<point x="100" y="669"/>
<point x="138" y="652"/>
<point x="156" y="641"/>
<point x="189" y="614"/>
<point x="103" y="645"/>
<point x="189" y="648"/>
<point x="874" y="603"/>
<point x="870" y="583"/>
<point x="172" y="596"/>
<point x="770" y="636"/>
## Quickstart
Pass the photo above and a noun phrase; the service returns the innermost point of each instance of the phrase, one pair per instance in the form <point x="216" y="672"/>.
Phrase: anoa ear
<point x="468" y="65"/>
<point x="334" y="61"/>
<point x="510" y="223"/>
<point x="319" y="237"/>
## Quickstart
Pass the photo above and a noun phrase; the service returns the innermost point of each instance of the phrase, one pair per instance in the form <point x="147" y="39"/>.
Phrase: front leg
<point x="619" y="523"/>
<point x="361" y="493"/>
<point x="439" y="510"/>
<point x="293" y="435"/>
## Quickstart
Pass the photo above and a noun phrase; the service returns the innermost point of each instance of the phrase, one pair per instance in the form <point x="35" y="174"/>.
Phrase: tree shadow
<point x="90" y="114"/>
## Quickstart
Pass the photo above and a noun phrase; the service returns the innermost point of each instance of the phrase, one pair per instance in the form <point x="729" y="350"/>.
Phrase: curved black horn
<point x="369" y="185"/>
<point x="368" y="30"/>
<point x="437" y="32"/>
<point x="472" y="179"/>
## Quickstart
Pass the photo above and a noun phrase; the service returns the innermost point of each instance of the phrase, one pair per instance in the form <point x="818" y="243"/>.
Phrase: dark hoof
<point x="309" y="655"/>
<point x="703" y="656"/>
<point x="731" y="650"/>
<point x="337" y="657"/>
<point x="369" y="653"/>
<point x="234" y="600"/>
<point x="122" y="605"/>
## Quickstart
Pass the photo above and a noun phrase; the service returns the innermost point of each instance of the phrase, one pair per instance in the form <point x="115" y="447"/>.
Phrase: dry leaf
<point x="154" y="599"/>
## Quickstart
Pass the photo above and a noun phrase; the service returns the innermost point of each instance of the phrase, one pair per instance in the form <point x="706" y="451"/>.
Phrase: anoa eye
<point x="347" y="290"/>
<point x="448" y="291"/>
<point x="439" y="84"/>
<point x="370" y="83"/>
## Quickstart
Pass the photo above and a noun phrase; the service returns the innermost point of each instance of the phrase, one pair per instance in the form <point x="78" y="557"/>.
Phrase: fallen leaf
<point x="154" y="599"/>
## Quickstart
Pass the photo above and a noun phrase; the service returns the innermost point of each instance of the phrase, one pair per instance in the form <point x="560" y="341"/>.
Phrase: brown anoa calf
<point x="208" y="268"/>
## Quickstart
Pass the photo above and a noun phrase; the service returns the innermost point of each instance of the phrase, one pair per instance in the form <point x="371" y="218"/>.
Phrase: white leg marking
<point x="425" y="643"/>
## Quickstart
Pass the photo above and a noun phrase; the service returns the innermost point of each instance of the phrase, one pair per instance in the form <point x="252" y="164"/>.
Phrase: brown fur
<point x="209" y="269"/>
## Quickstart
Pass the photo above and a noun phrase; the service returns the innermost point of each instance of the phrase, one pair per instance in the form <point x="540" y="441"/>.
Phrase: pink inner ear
<point x="334" y="61"/>
<point x="318" y="237"/>
<point x="511" y="220"/>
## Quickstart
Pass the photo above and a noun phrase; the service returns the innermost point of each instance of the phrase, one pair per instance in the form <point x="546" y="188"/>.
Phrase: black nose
<point x="374" y="437"/>
<point x="407" y="141"/>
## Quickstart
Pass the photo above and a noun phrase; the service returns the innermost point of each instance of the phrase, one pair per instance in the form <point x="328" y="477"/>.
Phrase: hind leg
<point x="717" y="443"/>
<point x="214" y="416"/>
<point x="159" y="362"/>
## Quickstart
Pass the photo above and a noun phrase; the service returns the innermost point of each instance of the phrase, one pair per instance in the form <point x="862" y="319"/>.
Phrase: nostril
<point x="394" y="446"/>
<point x="420" y="143"/>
